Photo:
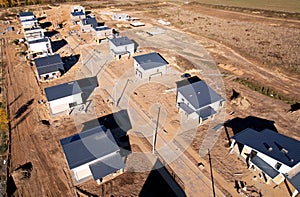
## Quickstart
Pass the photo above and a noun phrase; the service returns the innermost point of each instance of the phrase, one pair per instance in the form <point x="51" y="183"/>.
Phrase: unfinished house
<point x="273" y="155"/>
<point x="149" y="65"/>
<point x="77" y="13"/>
<point x="88" y="24"/>
<point x="197" y="100"/>
<point x="28" y="19"/>
<point x="40" y="47"/>
<point x="137" y="24"/>
<point x="101" y="33"/>
<point x="49" y="67"/>
<point x="63" y="97"/>
<point x="121" y="46"/>
<point x="120" y="17"/>
<point x="92" y="153"/>
<point x="33" y="33"/>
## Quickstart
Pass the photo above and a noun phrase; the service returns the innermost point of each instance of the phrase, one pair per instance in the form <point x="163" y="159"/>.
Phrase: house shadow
<point x="58" y="44"/>
<point x="41" y="18"/>
<point x="23" y="108"/>
<point x="11" y="186"/>
<point x="136" y="45"/>
<point x="160" y="183"/>
<point x="24" y="117"/>
<point x="50" y="33"/>
<point x="101" y="24"/>
<point x="239" y="124"/>
<point x="70" y="61"/>
<point x="294" y="107"/>
<point x="119" y="124"/>
<point x="46" y="24"/>
<point x="87" y="86"/>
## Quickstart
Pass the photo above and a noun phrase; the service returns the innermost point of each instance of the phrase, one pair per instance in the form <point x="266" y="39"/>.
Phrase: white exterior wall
<point x="85" y="27"/>
<point x="128" y="47"/>
<point x="29" y="24"/>
<point x="41" y="47"/>
<point x="62" y="104"/>
<point x="121" y="17"/>
<point x="84" y="171"/>
<point x="181" y="98"/>
<point x="101" y="34"/>
<point x="34" y="34"/>
<point x="272" y="162"/>
<point x="77" y="18"/>
<point x="22" y="18"/>
<point x="51" y="75"/>
<point x="78" y="8"/>
<point x="146" y="74"/>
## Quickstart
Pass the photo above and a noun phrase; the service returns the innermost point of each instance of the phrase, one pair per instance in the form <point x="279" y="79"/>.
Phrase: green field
<point x="276" y="5"/>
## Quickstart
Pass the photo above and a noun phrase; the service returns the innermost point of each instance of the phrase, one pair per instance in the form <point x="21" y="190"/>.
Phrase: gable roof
<point x="150" y="60"/>
<point x="80" y="13"/>
<point x="264" y="166"/>
<point x="121" y="41"/>
<point x="88" y="146"/>
<point x="40" y="40"/>
<point x="90" y="21"/>
<point x="101" y="28"/>
<point x="262" y="141"/>
<point x="49" y="64"/>
<point x="62" y="90"/>
<point x="197" y="92"/>
<point x="23" y="14"/>
<point x="106" y="166"/>
<point x="295" y="180"/>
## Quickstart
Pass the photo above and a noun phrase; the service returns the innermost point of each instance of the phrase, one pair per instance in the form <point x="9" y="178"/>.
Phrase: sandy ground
<point x="32" y="141"/>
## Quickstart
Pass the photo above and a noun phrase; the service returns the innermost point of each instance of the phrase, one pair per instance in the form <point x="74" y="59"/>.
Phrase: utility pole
<point x="155" y="132"/>
<point x="211" y="174"/>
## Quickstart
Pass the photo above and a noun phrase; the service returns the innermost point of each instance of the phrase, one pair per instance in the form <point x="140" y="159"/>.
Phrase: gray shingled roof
<point x="49" y="64"/>
<point x="186" y="108"/>
<point x="22" y="14"/>
<point x="265" y="167"/>
<point x="295" y="181"/>
<point x="45" y="39"/>
<point x="107" y="166"/>
<point x="80" y="13"/>
<point x="197" y="92"/>
<point x="101" y="28"/>
<point x="90" y="21"/>
<point x="120" y="41"/>
<point x="62" y="90"/>
<point x="150" y="60"/>
<point x="88" y="146"/>
<point x="261" y="141"/>
<point x="206" y="112"/>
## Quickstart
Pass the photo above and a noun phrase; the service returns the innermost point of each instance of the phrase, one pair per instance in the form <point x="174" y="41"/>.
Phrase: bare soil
<point x="244" y="45"/>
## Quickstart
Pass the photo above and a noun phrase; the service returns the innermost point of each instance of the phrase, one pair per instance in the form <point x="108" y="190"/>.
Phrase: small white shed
<point x="121" y="17"/>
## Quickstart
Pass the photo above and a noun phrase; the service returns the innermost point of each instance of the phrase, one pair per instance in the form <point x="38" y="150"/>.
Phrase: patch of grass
<point x="265" y="90"/>
<point x="276" y="5"/>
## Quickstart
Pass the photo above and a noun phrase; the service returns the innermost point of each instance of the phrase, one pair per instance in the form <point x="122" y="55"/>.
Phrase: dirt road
<point x="36" y="143"/>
